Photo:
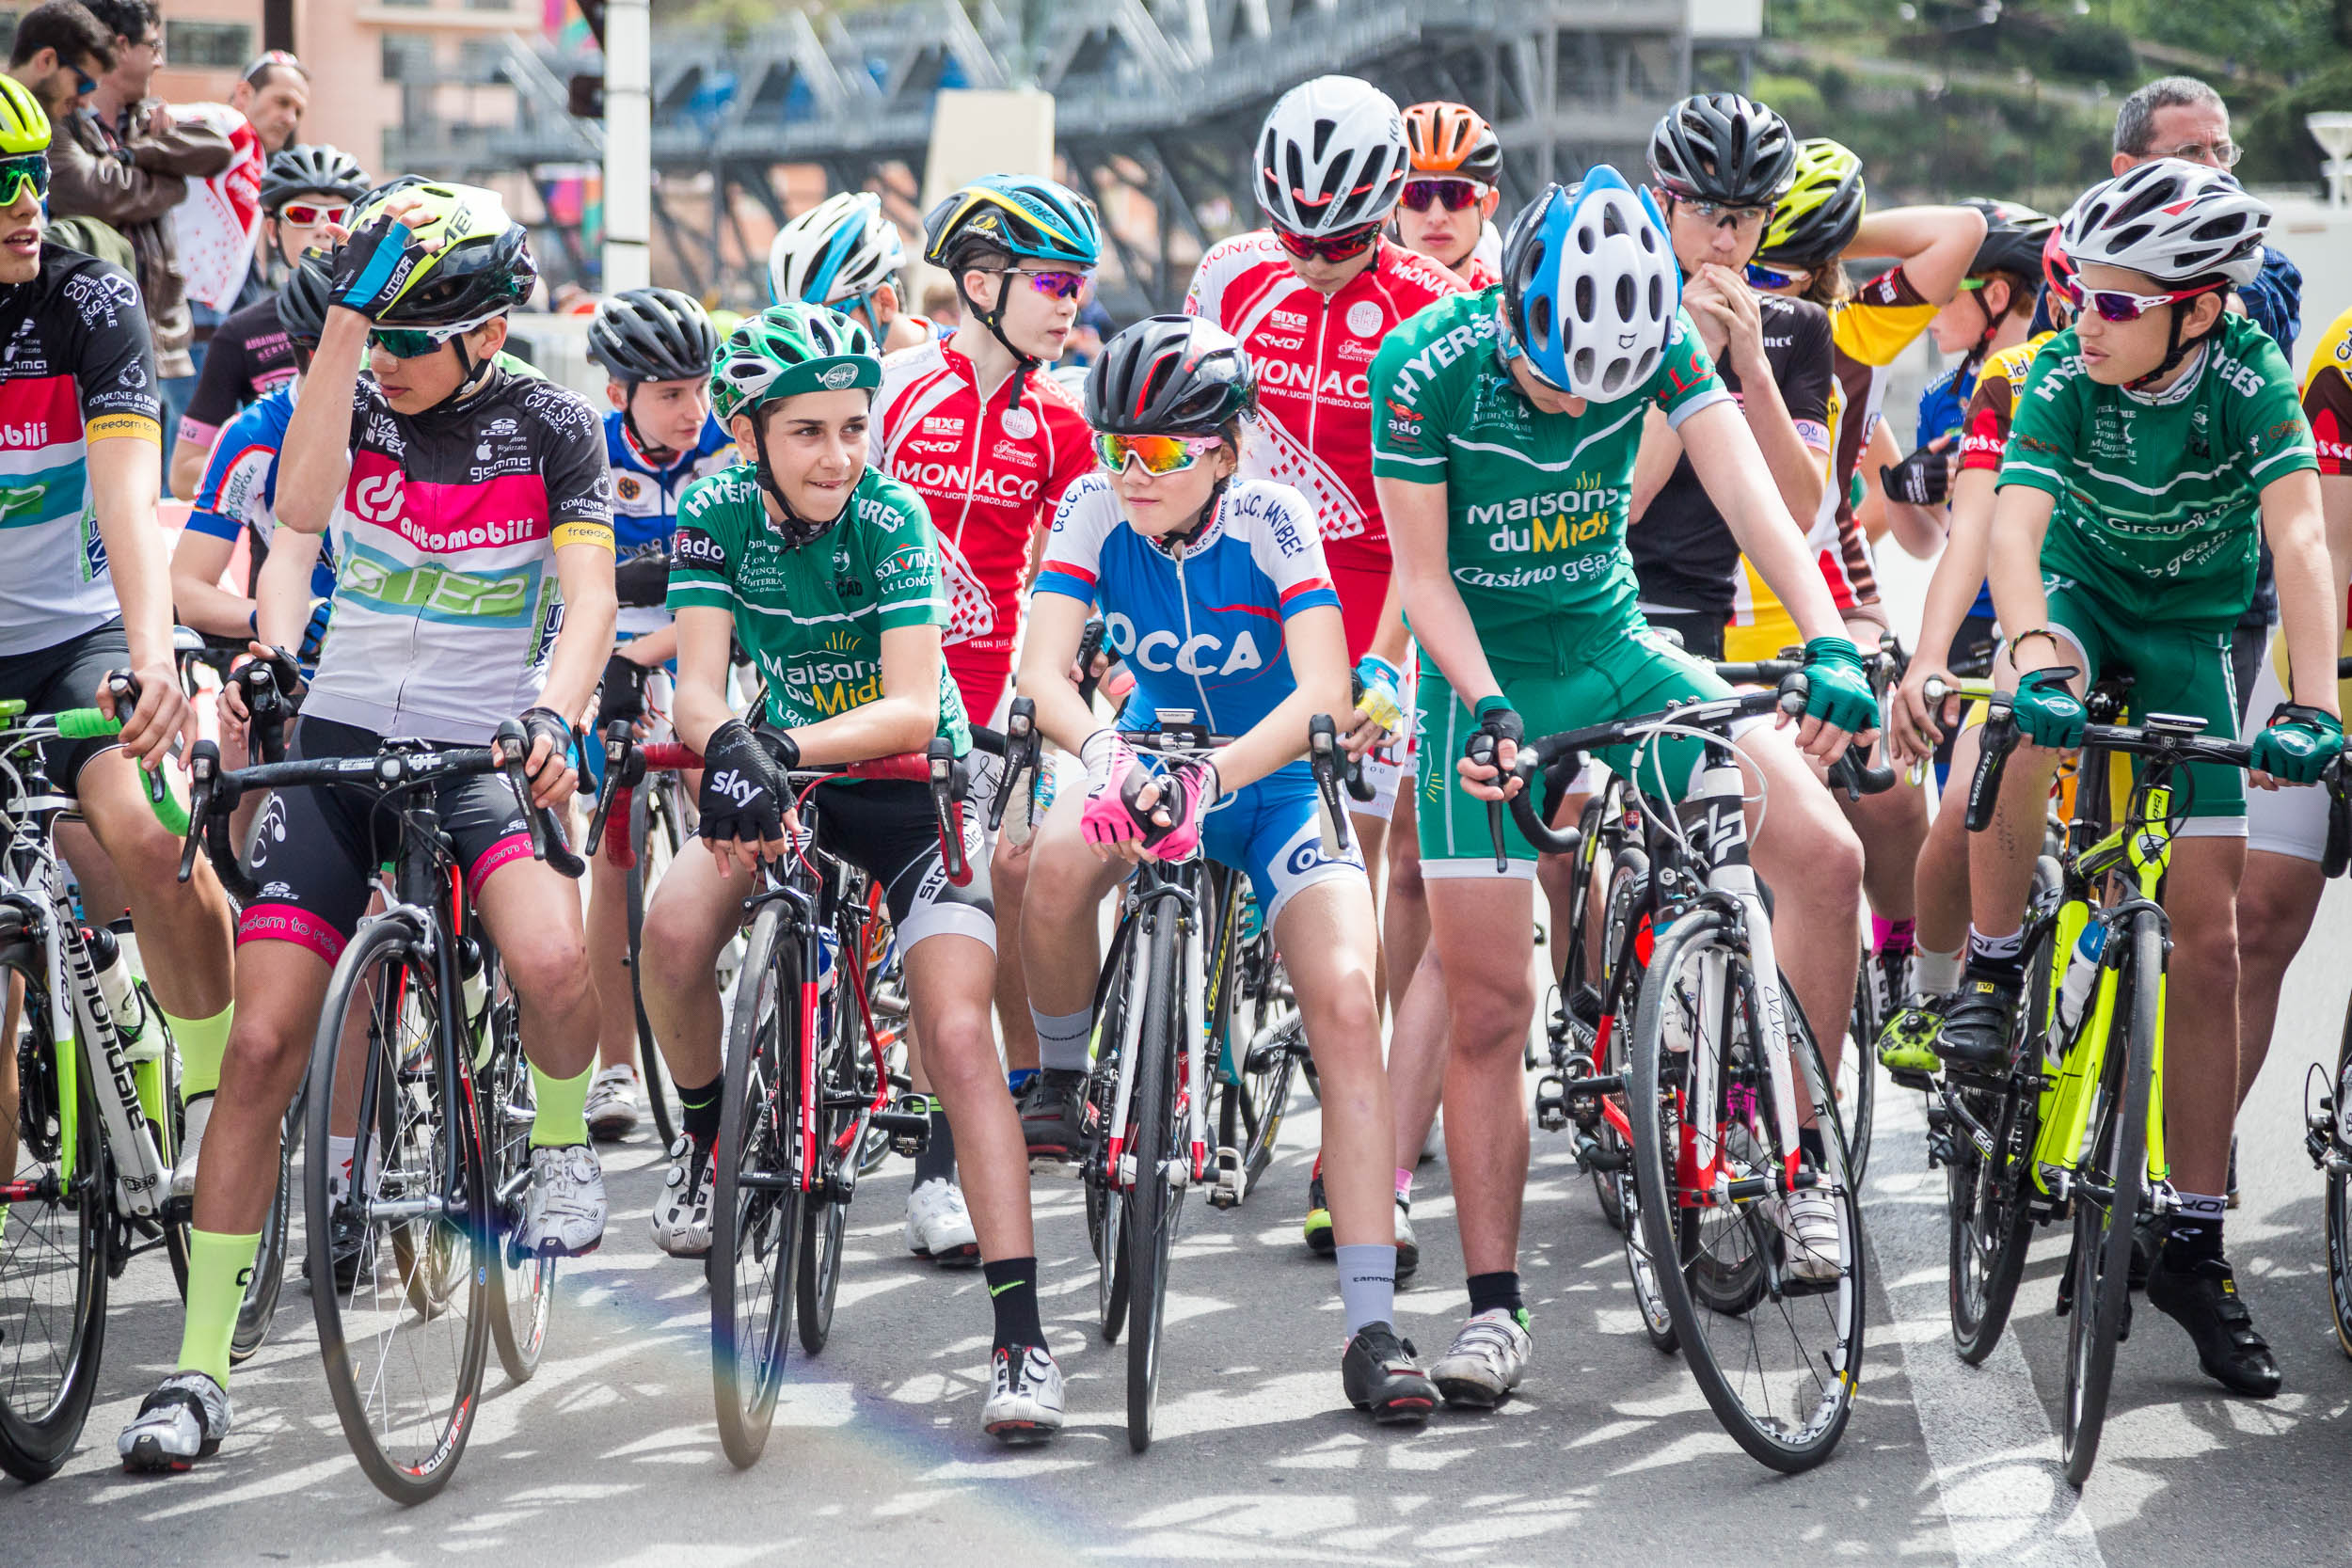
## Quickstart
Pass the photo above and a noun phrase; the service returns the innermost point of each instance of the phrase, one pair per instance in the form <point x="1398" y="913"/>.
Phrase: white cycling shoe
<point x="938" y="1226"/>
<point x="1811" y="1239"/>
<point x="194" y="1116"/>
<point x="1488" y="1356"/>
<point x="613" y="1103"/>
<point x="1023" y="1396"/>
<point x="681" y="1216"/>
<point x="564" y="1211"/>
<point x="181" y="1422"/>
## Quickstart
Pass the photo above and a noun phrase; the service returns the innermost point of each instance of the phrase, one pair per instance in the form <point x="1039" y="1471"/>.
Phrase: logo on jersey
<point x="429" y="590"/>
<point x="1363" y="319"/>
<point x="697" y="548"/>
<point x="944" y="477"/>
<point x="1268" y="340"/>
<point x="1019" y="423"/>
<point x="1289" y="320"/>
<point x="18" y="500"/>
<point x="945" y="449"/>
<point x="378" y="499"/>
<point x="1281" y="372"/>
<point x="628" y="487"/>
<point x="1559" y="520"/>
<point x="1198" y="655"/>
<point x="34" y="434"/>
<point x="942" y="424"/>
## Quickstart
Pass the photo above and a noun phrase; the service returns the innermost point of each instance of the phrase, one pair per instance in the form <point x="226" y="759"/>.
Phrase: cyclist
<point x="1505" y="460"/>
<point x="1447" y="210"/>
<point x="991" y="446"/>
<point x="656" y="348"/>
<point x="2155" y="441"/>
<point x="823" y="566"/>
<point x="469" y="587"/>
<point x="304" y="190"/>
<point x="1311" y="298"/>
<point x="845" y="253"/>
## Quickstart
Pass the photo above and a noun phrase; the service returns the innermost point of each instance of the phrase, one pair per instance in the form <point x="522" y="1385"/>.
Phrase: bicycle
<point x="1710" y="1100"/>
<point x="86" y="1149"/>
<point x="435" y="1090"/>
<point x="2072" y="1128"/>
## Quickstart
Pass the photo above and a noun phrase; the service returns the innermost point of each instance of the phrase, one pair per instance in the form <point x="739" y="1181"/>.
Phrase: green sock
<point x="562" y="1117"/>
<point x="202" y="1041"/>
<point x="218" y="1267"/>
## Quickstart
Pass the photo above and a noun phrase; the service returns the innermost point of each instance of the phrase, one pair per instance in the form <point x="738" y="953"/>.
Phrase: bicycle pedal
<point x="1228" y="1186"/>
<point x="1551" y="1102"/>
<point x="1905" y="1078"/>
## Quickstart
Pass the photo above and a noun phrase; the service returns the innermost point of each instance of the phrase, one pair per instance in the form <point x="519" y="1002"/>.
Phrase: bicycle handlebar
<point x="2001" y="736"/>
<point x="90" y="723"/>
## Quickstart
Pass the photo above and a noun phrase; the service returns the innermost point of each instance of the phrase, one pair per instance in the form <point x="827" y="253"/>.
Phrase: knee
<point x="1833" y="862"/>
<point x="547" y="969"/>
<point x="958" y="1051"/>
<point x="1491" y="1019"/>
<point x="261" y="1048"/>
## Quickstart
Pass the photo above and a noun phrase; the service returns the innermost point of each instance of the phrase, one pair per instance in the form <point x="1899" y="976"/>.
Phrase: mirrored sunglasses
<point x="1159" y="454"/>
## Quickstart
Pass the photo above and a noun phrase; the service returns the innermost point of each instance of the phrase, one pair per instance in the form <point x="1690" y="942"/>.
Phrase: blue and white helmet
<point x="841" y="249"/>
<point x="1590" y="288"/>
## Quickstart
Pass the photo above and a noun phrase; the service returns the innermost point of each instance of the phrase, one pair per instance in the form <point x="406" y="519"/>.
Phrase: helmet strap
<point x="646" y="447"/>
<point x="993" y="319"/>
<point x="796" y="530"/>
<point x="1178" y="540"/>
<point x="2174" y="350"/>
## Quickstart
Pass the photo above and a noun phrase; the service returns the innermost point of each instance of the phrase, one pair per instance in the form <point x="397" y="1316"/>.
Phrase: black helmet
<point x="2013" y="237"/>
<point x="311" y="169"/>
<point x="1721" y="147"/>
<point x="302" y="302"/>
<point x="653" y="335"/>
<point x="1169" y="375"/>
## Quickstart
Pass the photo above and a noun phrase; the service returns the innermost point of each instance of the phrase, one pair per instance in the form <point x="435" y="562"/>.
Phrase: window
<point x="222" y="45"/>
<point x="489" y="5"/>
<point x="479" y="59"/>
<point x="407" y="58"/>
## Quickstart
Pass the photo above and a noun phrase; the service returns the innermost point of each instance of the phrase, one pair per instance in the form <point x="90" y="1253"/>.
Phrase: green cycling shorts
<point x="1618" y="677"/>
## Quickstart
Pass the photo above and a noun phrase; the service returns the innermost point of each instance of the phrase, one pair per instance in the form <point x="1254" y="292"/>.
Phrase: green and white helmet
<point x="789" y="349"/>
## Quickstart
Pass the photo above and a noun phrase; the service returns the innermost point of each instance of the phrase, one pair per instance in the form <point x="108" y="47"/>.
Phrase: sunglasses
<point x="1159" y="454"/>
<point x="1455" y="194"/>
<point x="414" y="342"/>
<point x="2114" y="305"/>
<point x="1331" y="247"/>
<point x="310" y="215"/>
<point x="1054" y="285"/>
<point x="27" y="171"/>
<point x="1720" y="213"/>
<point x="1771" y="277"/>
<point x="84" y="83"/>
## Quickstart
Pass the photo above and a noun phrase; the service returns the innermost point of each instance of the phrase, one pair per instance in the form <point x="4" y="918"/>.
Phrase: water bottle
<point x="119" y="987"/>
<point x="2082" y="975"/>
<point x="473" y="985"/>
<point x="828" y="958"/>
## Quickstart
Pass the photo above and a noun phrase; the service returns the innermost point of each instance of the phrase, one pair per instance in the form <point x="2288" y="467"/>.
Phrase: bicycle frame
<point x="1166" y="891"/>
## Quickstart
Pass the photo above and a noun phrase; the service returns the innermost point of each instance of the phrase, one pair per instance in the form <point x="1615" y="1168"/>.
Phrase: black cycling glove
<point x="742" y="792"/>
<point x="642" y="580"/>
<point x="370" y="268"/>
<point x="1923" y="479"/>
<point x="546" y="721"/>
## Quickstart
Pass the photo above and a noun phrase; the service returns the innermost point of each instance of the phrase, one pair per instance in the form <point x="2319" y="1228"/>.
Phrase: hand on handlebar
<point x="1492" y="783"/>
<point x="1914" y="725"/>
<point x="159" y="712"/>
<point x="1379" y="710"/>
<point x="743" y="815"/>
<point x="548" y="764"/>
<point x="1838" y="707"/>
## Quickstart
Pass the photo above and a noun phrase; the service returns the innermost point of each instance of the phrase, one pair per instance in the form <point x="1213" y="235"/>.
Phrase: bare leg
<point x="2276" y="904"/>
<point x="2200" y="1048"/>
<point x="607" y="959"/>
<point x="1327" y="931"/>
<point x="1481" y="931"/>
<point x="1009" y="881"/>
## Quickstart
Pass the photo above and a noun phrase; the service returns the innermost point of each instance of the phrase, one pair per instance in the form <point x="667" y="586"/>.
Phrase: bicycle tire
<point x="1103" y="1212"/>
<point x="522" y="1287"/>
<point x="654" y="828"/>
<point x="407" y="1123"/>
<point x="2339" y="1202"/>
<point x="42" y="1409"/>
<point x="1857" y="1069"/>
<point x="1628" y="886"/>
<point x="825" y="1219"/>
<point x="2101" y="1259"/>
<point x="754" y="1240"/>
<point x="1151" y="1200"/>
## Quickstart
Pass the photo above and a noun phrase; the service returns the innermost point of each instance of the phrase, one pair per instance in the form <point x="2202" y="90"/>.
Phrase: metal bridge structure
<point x="1158" y="107"/>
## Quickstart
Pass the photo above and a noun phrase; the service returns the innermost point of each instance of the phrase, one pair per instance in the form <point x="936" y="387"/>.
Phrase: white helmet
<point x="840" y="249"/>
<point x="1332" y="157"/>
<point x="2175" y="221"/>
<point x="1590" y="288"/>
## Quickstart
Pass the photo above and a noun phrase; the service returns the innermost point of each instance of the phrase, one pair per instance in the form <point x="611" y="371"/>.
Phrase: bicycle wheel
<point x="1857" y="1068"/>
<point x="1779" y="1362"/>
<point x="403" y="1345"/>
<point x="1150" y="1199"/>
<point x="1628" y="884"/>
<point x="2339" y="1199"/>
<point x="263" y="1287"/>
<point x="655" y="829"/>
<point x="522" y="1284"/>
<point x="2110" y="1183"/>
<point x="755" y="1212"/>
<point x="1267" y="1040"/>
<point x="843" y="1089"/>
<point x="54" y="1229"/>
<point x="1104" y="1211"/>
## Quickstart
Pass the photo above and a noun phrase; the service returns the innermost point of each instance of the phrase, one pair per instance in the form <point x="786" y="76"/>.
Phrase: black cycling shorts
<point x="886" y="829"/>
<point x="315" y="848"/>
<point x="62" y="675"/>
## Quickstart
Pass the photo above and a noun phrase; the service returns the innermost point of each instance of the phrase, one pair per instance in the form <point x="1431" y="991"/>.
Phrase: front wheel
<point x="1150" y="1199"/>
<point x="2340" y="1201"/>
<point x="522" y="1284"/>
<point x="655" y="829"/>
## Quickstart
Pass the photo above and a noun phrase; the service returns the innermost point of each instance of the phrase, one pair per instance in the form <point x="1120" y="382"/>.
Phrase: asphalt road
<point x="611" y="1453"/>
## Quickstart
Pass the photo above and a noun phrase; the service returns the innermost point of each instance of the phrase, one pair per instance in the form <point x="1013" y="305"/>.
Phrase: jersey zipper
<point x="1184" y="595"/>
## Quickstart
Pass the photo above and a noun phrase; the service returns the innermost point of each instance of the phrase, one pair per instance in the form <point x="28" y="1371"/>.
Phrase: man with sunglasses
<point x="307" y="194"/>
<point x="2155" y="442"/>
<point x="60" y="52"/>
<point x="1447" y="211"/>
<point x="991" y="444"/>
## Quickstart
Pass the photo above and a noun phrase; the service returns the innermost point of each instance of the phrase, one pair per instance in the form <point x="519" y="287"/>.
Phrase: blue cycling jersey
<point x="1205" y="633"/>
<point x="240" y="485"/>
<point x="644" y="500"/>
<point x="1943" y="410"/>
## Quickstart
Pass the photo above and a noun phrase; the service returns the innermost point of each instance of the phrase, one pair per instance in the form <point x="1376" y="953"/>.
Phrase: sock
<point x="1018" y="1079"/>
<point x="1012" y="1291"/>
<point x="2195" y="1231"/>
<point x="1063" y="1043"/>
<point x="202" y="1041"/>
<point x="1934" y="974"/>
<point x="1490" y="1290"/>
<point x="937" y="1163"/>
<point x="1898" y="935"/>
<point x="2004" y="954"/>
<point x="218" y="1267"/>
<point x="338" y="1155"/>
<point x="1367" y="1285"/>
<point x="1404" y="1186"/>
<point x="698" y="1111"/>
<point x="563" y="1117"/>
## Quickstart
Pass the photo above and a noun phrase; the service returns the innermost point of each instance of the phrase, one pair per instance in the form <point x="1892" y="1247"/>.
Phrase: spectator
<point x="124" y="160"/>
<point x="941" y="304"/>
<point x="273" y="96"/>
<point x="61" y="51"/>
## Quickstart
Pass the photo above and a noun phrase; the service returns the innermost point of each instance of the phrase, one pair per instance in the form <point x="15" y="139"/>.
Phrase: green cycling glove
<point x="2298" y="744"/>
<point x="1837" y="692"/>
<point x="2047" y="714"/>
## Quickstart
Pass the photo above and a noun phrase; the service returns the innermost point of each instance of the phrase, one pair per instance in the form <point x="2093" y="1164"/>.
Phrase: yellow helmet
<point x="1817" y="217"/>
<point x="482" y="264"/>
<point x="24" y="125"/>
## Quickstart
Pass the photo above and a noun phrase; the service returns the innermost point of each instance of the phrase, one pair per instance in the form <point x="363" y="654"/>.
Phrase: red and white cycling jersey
<point x="1313" y="356"/>
<point x="992" y="478"/>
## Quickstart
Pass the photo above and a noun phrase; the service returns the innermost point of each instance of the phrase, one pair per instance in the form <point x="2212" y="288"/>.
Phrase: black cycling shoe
<point x="2148" y="1233"/>
<point x="348" y="1244"/>
<point x="1978" y="1021"/>
<point x="1053" y="1114"/>
<point x="2202" y="1298"/>
<point x="1381" y="1375"/>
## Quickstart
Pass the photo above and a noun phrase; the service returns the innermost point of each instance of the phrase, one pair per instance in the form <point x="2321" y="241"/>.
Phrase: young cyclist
<point x="823" y="566"/>
<point x="1505" y="460"/>
<point x="656" y="348"/>
<point x="305" y="190"/>
<point x="422" y="522"/>
<point x="1446" y="211"/>
<point x="1171" y="549"/>
<point x="2155" y="442"/>
<point x="845" y="253"/>
<point x="1312" y="297"/>
<point x="991" y="445"/>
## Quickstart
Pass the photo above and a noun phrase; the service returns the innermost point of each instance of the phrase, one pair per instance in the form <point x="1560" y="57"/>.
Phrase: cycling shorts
<point x="1639" y="672"/>
<point x="2176" y="670"/>
<point x="2291" y="820"/>
<point x="315" y="850"/>
<point x="64" y="675"/>
<point x="886" y="827"/>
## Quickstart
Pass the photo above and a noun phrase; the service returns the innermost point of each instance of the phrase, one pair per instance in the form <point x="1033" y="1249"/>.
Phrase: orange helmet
<point x="1452" y="138"/>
